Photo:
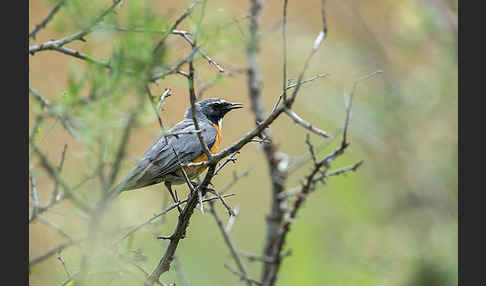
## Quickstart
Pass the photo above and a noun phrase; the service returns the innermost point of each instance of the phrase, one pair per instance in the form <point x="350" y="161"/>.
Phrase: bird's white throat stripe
<point x="220" y="123"/>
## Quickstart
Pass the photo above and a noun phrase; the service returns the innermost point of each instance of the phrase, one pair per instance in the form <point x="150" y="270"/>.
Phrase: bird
<point x="162" y="161"/>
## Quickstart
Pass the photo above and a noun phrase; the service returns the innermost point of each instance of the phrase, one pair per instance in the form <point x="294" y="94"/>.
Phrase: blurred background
<point x="393" y="222"/>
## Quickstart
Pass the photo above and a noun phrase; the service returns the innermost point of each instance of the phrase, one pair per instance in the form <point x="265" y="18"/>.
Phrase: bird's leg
<point x="169" y="187"/>
<point x="200" y="194"/>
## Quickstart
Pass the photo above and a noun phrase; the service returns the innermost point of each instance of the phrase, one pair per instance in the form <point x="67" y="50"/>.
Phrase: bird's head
<point x="213" y="109"/>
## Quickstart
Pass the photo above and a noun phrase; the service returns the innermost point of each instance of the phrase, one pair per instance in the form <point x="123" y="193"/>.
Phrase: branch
<point x="35" y="197"/>
<point x="181" y="227"/>
<point x="297" y="119"/>
<point x="320" y="167"/>
<point x="284" y="45"/>
<point x="53" y="173"/>
<point x="52" y="251"/>
<point x="79" y="55"/>
<point x="275" y="220"/>
<point x="55" y="227"/>
<point x="44" y="22"/>
<point x="245" y="278"/>
<point x="349" y="102"/>
<point x="229" y="243"/>
<point x="184" y="14"/>
<point x="290" y="86"/>
<point x="184" y="35"/>
<point x="76" y="36"/>
<point x="192" y="95"/>
<point x="163" y="212"/>
<point x="175" y="69"/>
<point x="51" y="111"/>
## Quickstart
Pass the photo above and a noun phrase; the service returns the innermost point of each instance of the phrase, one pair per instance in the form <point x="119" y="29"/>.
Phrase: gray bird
<point x="160" y="164"/>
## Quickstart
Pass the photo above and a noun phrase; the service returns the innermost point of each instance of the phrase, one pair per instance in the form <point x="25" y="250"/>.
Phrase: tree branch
<point x="44" y="22"/>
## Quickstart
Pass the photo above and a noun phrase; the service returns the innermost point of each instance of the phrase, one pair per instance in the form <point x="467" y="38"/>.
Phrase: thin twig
<point x="311" y="149"/>
<point x="192" y="95"/>
<point x="54" y="226"/>
<point x="297" y="119"/>
<point x="53" y="173"/>
<point x="228" y="241"/>
<point x="284" y="45"/>
<point x="350" y="100"/>
<point x="76" y="36"/>
<point x="275" y="236"/>
<point x="35" y="197"/>
<point x="231" y="158"/>
<point x="186" y="13"/>
<point x="185" y="36"/>
<point x="48" y="18"/>
<point x="344" y="170"/>
<point x="52" y="251"/>
<point x="163" y="212"/>
<point x="245" y="278"/>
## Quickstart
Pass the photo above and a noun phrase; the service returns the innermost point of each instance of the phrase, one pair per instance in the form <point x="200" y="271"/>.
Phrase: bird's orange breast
<point x="214" y="149"/>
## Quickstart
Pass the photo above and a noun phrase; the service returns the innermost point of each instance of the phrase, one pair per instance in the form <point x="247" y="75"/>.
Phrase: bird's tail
<point x="115" y="191"/>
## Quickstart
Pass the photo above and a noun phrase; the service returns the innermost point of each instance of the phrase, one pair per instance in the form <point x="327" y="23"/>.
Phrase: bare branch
<point x="311" y="149"/>
<point x="231" y="158"/>
<point x="297" y="119"/>
<point x="274" y="240"/>
<point x="52" y="251"/>
<point x="349" y="102"/>
<point x="181" y="227"/>
<point x="55" y="227"/>
<point x="192" y="95"/>
<point x="284" y="45"/>
<point x="245" y="278"/>
<point x="184" y="14"/>
<point x="185" y="36"/>
<point x="175" y="69"/>
<point x="290" y="86"/>
<point x="344" y="170"/>
<point x="253" y="258"/>
<point x="35" y="197"/>
<point x="77" y="36"/>
<point x="308" y="186"/>
<point x="44" y="22"/>
<point x="163" y="212"/>
<point x="78" y="55"/>
<point x="51" y="111"/>
<point x="53" y="173"/>
<point x="229" y="242"/>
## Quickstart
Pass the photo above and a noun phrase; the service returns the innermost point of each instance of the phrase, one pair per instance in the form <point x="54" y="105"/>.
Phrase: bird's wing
<point x="160" y="160"/>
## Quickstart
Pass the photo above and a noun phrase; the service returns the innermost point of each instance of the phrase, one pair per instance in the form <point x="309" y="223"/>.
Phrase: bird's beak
<point x="235" y="106"/>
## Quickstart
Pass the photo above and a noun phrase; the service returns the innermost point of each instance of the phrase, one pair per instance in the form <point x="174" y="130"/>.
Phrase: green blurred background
<point x="394" y="222"/>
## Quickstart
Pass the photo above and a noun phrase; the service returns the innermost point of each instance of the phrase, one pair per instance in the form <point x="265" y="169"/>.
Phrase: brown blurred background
<point x="394" y="222"/>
